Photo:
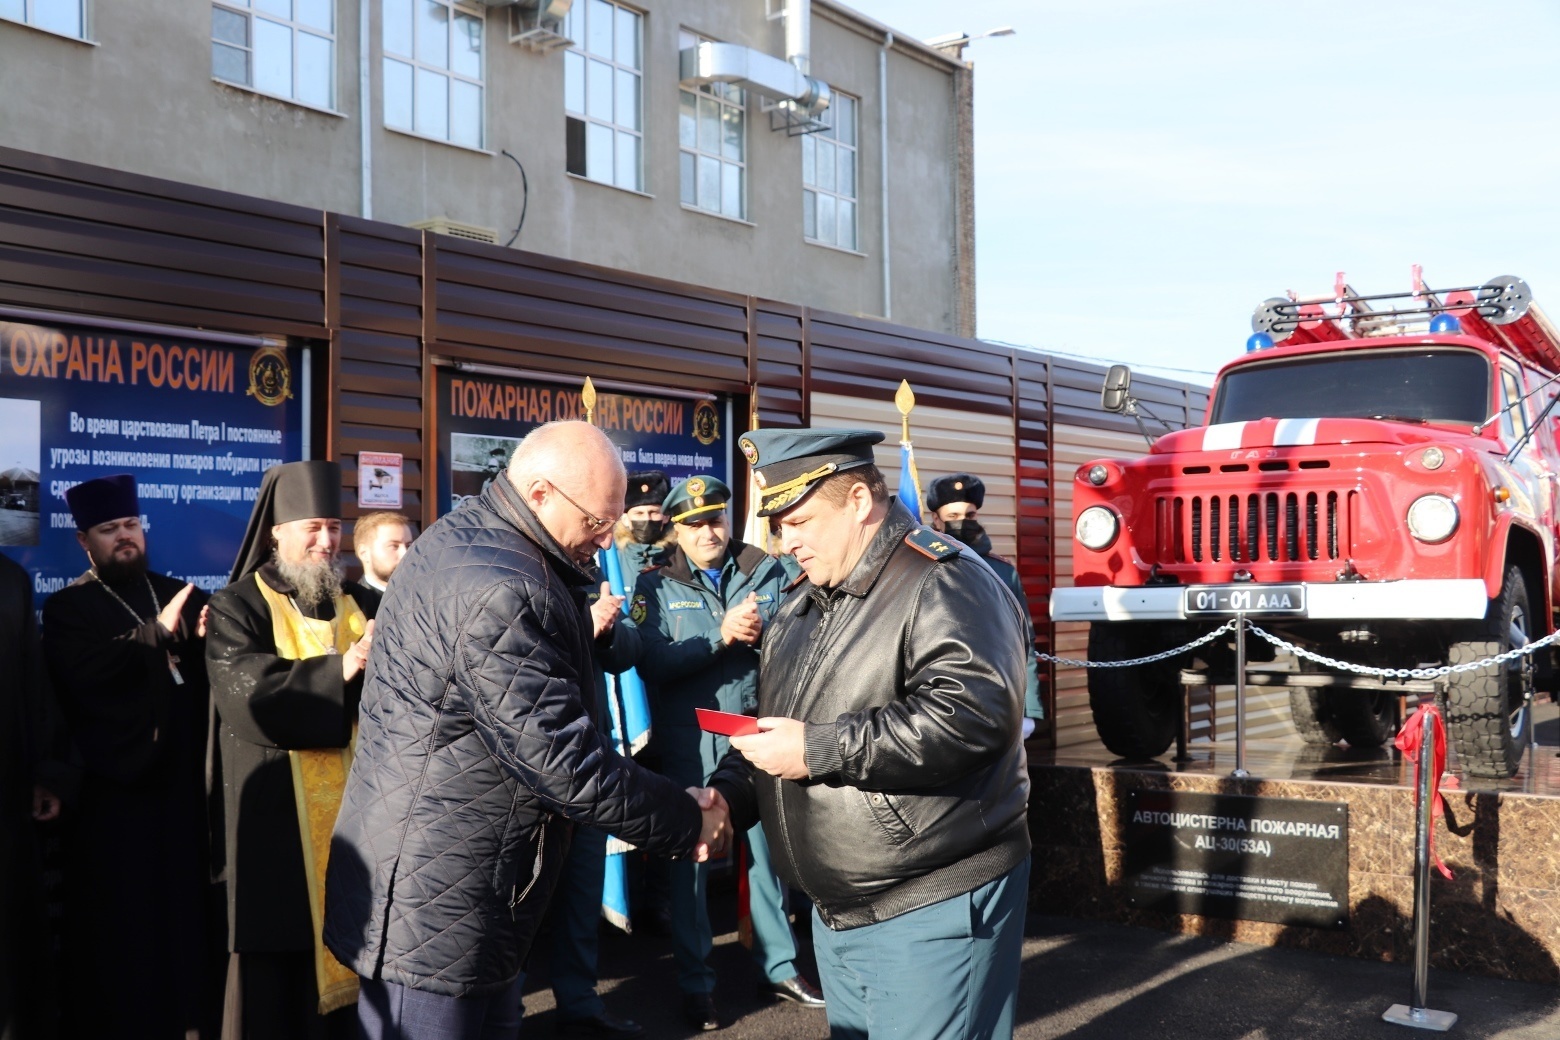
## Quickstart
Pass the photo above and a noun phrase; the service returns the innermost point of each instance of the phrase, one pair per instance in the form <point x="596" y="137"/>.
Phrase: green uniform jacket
<point x="676" y="616"/>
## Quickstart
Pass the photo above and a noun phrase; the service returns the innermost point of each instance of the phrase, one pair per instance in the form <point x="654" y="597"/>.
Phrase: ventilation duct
<point x="784" y="82"/>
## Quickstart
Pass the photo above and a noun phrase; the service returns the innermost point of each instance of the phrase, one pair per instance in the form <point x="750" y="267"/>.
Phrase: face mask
<point x="970" y="533"/>
<point x="647" y="531"/>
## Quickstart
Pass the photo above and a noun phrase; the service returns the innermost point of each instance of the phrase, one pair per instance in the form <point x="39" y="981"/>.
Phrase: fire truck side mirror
<point x="1113" y="397"/>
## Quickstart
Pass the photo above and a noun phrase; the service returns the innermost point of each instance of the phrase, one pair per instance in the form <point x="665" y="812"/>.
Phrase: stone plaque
<point x="1284" y="860"/>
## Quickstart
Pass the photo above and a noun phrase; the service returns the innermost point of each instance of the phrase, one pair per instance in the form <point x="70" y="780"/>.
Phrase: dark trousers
<point x="273" y="996"/>
<point x="390" y="1011"/>
<point x="948" y="971"/>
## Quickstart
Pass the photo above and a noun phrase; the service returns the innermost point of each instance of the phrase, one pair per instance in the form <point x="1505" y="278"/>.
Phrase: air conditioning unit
<point x="537" y="25"/>
<point x="455" y="229"/>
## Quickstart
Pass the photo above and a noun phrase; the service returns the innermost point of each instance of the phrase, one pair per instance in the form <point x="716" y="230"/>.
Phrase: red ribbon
<point x="1408" y="741"/>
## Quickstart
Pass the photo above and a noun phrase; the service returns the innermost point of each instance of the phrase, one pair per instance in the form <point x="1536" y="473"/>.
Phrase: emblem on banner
<point x="270" y="376"/>
<point x="706" y="423"/>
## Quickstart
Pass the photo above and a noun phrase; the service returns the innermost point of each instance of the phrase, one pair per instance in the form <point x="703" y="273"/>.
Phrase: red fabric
<point x="1408" y="741"/>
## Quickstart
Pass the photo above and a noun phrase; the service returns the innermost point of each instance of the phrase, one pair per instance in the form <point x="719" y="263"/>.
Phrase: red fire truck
<point x="1376" y="485"/>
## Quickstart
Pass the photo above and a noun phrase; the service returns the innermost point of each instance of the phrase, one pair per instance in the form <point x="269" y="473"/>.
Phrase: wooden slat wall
<point x="859" y="357"/>
<point x="81" y="238"/>
<point x="946" y="441"/>
<point x="1035" y="508"/>
<point x="375" y="304"/>
<point x="523" y="310"/>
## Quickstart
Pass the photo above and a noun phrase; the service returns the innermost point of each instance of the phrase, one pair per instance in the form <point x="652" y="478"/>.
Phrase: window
<point x="602" y="94"/>
<point x="433" y="70"/>
<point x="829" y="178"/>
<point x="712" y="136"/>
<point x="60" y="16"/>
<point x="284" y="48"/>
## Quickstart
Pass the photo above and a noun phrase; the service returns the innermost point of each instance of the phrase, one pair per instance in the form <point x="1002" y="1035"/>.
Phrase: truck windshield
<point x="1448" y="386"/>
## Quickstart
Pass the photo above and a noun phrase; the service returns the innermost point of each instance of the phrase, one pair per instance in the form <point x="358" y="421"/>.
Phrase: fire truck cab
<point x="1375" y="482"/>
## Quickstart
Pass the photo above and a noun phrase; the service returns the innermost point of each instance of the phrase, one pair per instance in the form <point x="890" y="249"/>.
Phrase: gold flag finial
<point x="588" y="400"/>
<point x="904" y="399"/>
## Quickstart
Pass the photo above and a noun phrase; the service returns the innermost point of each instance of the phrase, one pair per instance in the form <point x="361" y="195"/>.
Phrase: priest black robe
<point x="267" y="705"/>
<point x="136" y="840"/>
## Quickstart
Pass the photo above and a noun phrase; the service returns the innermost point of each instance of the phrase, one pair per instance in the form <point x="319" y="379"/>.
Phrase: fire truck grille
<point x="1274" y="526"/>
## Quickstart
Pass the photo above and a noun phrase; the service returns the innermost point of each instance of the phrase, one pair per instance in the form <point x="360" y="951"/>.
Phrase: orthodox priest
<point x="285" y="649"/>
<point x="125" y="651"/>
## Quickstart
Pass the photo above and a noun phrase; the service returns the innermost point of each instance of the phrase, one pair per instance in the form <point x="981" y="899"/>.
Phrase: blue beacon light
<point x="1258" y="341"/>
<point x="1445" y="323"/>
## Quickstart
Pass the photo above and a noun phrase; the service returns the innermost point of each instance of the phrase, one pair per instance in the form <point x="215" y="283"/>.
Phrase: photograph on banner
<point x="20" y="436"/>
<point x="481" y="418"/>
<point x="195" y="421"/>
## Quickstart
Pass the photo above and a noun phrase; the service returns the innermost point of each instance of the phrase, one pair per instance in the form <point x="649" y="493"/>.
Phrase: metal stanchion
<point x="1417" y="1015"/>
<point x="1240" y="696"/>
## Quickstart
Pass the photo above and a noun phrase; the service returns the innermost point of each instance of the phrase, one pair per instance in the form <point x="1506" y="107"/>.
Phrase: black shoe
<point x="605" y="1024"/>
<point x="699" y="1011"/>
<point x="797" y="990"/>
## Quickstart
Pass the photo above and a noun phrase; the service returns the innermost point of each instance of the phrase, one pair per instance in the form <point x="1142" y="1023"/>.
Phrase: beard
<point x="117" y="570"/>
<point x="315" y="583"/>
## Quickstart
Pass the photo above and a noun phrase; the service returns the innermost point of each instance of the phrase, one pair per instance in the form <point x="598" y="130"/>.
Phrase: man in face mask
<point x="955" y="501"/>
<point x="644" y="535"/>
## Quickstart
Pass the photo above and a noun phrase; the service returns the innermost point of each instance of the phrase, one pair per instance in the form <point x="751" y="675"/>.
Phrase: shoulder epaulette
<point x="930" y="544"/>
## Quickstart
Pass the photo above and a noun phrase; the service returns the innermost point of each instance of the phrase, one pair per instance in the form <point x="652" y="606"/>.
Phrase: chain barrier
<point x="1300" y="651"/>
<point x="1407" y="673"/>
<point x="1070" y="662"/>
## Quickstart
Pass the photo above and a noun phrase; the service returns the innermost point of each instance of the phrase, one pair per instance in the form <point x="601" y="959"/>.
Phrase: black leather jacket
<point x="910" y="677"/>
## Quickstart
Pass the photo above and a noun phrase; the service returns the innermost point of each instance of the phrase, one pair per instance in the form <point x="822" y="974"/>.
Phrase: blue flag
<point x="909" y="481"/>
<point x="630" y="709"/>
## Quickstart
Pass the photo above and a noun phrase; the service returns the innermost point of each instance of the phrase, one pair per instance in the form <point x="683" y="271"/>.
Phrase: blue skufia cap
<point x="788" y="464"/>
<point x="696" y="499"/>
<point x="94" y="502"/>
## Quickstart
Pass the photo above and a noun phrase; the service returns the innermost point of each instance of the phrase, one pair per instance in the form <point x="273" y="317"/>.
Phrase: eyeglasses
<point x="593" y="523"/>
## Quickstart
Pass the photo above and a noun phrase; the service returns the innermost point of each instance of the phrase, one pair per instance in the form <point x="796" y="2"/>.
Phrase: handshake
<point x="717" y="823"/>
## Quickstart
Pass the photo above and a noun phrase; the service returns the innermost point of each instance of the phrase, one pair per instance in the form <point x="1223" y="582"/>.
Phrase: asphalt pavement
<point x="1094" y="981"/>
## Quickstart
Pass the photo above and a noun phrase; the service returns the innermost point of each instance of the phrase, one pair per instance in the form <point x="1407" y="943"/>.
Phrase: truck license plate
<point x="1246" y="599"/>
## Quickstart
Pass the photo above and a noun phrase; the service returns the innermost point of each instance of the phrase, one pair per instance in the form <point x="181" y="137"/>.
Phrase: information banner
<point x="195" y="421"/>
<point x="1284" y="860"/>
<point x="482" y="417"/>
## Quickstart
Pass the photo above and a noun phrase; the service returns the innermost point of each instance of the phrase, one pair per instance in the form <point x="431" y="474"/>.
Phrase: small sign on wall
<point x="1284" y="860"/>
<point x="379" y="480"/>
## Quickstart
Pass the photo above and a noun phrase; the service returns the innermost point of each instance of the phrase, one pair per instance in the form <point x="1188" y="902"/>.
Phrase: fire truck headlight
<point x="1432" y="518"/>
<point x="1432" y="458"/>
<point x="1098" y="474"/>
<point x="1097" y="528"/>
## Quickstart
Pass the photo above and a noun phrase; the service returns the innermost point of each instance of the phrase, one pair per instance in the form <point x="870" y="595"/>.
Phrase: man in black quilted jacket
<point x="477" y="751"/>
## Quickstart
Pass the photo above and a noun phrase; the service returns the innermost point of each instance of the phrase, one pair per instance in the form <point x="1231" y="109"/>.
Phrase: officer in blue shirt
<point x="700" y="620"/>
<point x="954" y="502"/>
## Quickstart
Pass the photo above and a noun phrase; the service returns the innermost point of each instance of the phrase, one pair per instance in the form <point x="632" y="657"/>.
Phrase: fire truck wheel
<point x="1308" y="709"/>
<point x="1136" y="710"/>
<point x="1489" y="712"/>
<point x="1365" y="719"/>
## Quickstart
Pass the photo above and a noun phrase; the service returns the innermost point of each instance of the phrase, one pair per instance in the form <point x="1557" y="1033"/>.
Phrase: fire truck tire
<point x="1489" y="715"/>
<point x="1136" y="710"/>
<point x="1308" y="710"/>
<point x="1365" y="719"/>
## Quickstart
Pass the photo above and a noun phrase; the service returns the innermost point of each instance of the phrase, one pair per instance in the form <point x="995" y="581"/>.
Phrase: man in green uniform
<point x="701" y="619"/>
<point x="954" y="502"/>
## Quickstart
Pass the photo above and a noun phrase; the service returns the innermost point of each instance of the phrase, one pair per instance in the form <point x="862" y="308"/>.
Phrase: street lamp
<point x="957" y="41"/>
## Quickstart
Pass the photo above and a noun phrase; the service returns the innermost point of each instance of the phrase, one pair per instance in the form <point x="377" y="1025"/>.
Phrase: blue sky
<point x="1148" y="171"/>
